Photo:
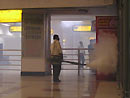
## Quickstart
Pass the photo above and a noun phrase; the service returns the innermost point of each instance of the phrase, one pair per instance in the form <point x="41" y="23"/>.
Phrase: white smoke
<point x="105" y="54"/>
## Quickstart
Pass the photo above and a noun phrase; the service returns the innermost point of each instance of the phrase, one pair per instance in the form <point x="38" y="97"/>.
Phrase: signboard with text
<point x="82" y="28"/>
<point x="106" y="24"/>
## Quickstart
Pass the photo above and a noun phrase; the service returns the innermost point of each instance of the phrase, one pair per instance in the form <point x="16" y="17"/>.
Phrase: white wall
<point x="65" y="30"/>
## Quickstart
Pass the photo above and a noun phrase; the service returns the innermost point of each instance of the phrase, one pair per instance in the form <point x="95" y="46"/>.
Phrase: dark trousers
<point x="56" y="71"/>
<point x="82" y="59"/>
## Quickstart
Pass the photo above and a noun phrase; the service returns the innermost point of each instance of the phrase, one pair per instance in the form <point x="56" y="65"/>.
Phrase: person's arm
<point x="52" y="49"/>
<point x="59" y="48"/>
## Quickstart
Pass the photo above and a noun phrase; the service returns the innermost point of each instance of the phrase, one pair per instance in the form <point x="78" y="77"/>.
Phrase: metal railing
<point x="74" y="54"/>
<point x="10" y="59"/>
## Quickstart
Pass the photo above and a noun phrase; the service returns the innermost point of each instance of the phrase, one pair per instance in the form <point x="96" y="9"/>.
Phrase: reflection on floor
<point x="12" y="85"/>
<point x="109" y="89"/>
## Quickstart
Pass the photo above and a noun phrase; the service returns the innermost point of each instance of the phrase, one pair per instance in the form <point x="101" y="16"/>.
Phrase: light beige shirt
<point x="56" y="48"/>
<point x="81" y="51"/>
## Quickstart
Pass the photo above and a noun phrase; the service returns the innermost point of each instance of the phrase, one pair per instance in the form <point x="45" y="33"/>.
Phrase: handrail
<point x="10" y="55"/>
<point x="75" y="49"/>
<point x="15" y="59"/>
<point x="10" y="50"/>
<point x="10" y="65"/>
<point x="10" y="60"/>
<point x="78" y="55"/>
<point x="68" y="49"/>
<point x="74" y="54"/>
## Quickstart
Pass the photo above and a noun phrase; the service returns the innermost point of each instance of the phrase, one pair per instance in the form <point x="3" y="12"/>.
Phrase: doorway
<point x="72" y="30"/>
<point x="42" y="23"/>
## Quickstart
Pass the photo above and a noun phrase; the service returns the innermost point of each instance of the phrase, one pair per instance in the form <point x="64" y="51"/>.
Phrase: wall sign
<point x="82" y="28"/>
<point x="10" y="15"/>
<point x="15" y="28"/>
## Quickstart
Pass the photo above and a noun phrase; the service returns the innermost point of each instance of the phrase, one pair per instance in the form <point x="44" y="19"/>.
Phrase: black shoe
<point x="57" y="80"/>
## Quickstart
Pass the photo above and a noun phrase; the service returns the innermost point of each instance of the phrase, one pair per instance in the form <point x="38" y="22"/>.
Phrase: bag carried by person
<point x="56" y="58"/>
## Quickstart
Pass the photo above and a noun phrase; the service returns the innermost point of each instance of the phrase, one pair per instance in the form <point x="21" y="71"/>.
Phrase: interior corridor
<point x="13" y="85"/>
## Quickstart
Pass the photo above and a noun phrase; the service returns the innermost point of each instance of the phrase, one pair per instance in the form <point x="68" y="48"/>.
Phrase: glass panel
<point x="10" y="45"/>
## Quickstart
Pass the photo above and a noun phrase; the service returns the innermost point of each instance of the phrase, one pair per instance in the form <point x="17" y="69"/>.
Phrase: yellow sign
<point x="10" y="15"/>
<point x="91" y="38"/>
<point x="82" y="28"/>
<point x="15" y="28"/>
<point x="52" y="31"/>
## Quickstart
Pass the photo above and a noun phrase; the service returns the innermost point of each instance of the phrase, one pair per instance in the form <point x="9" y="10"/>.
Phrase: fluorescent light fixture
<point x="64" y="40"/>
<point x="71" y="21"/>
<point x="4" y="24"/>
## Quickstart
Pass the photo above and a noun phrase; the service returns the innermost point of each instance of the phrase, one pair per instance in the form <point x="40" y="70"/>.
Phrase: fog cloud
<point x="105" y="54"/>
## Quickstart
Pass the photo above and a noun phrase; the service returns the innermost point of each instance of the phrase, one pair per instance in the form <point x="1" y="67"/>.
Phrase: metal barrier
<point x="10" y="59"/>
<point x="75" y="52"/>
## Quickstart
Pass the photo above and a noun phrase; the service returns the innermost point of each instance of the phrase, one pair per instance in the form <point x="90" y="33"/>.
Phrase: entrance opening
<point x="73" y="31"/>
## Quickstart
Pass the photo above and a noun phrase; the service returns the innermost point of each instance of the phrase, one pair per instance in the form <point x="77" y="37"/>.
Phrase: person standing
<point x="56" y="54"/>
<point x="91" y="49"/>
<point x="81" y="54"/>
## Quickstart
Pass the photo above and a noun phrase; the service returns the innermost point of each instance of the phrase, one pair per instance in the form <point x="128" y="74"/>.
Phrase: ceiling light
<point x="5" y="24"/>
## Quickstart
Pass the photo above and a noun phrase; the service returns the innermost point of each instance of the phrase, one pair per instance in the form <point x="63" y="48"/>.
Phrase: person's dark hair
<point x="56" y="37"/>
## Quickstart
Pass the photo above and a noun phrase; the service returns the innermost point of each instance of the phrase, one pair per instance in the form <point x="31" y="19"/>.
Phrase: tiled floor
<point x="108" y="90"/>
<point x="12" y="85"/>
